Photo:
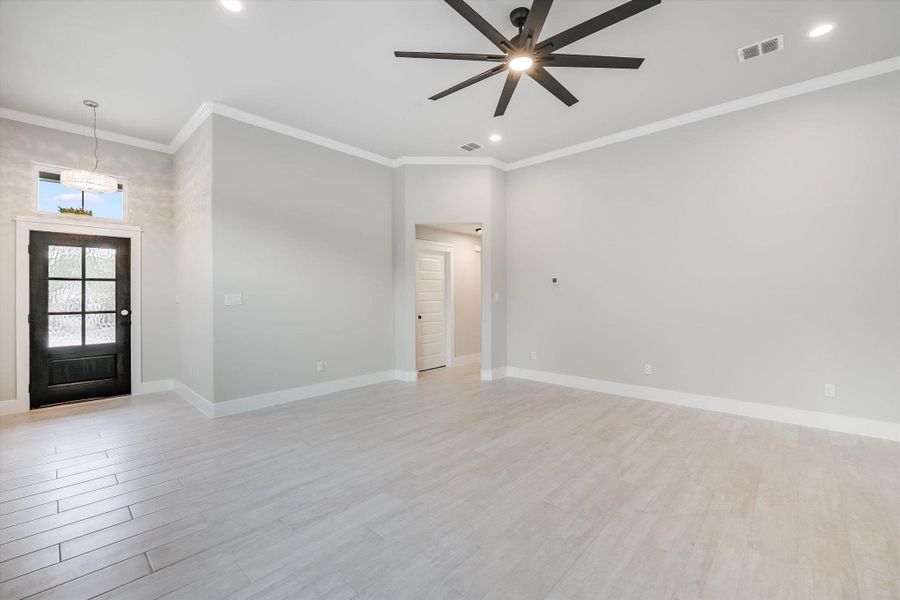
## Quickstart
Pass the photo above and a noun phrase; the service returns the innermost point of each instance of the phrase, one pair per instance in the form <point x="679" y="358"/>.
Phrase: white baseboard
<point x="493" y="374"/>
<point x="795" y="416"/>
<point x="401" y="375"/>
<point x="194" y="399"/>
<point x="12" y="407"/>
<point x="152" y="387"/>
<point x="248" y="403"/>
<point x="468" y="359"/>
<point x="241" y="405"/>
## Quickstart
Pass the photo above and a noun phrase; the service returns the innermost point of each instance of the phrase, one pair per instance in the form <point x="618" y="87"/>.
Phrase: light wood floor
<point x="446" y="489"/>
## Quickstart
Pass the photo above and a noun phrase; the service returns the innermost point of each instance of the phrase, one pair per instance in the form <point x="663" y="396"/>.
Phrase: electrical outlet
<point x="829" y="390"/>
<point x="234" y="299"/>
<point x="496" y="296"/>
<point x="648" y="369"/>
<point x="190" y="371"/>
<point x="554" y="280"/>
<point x="534" y="356"/>
<point x="320" y="367"/>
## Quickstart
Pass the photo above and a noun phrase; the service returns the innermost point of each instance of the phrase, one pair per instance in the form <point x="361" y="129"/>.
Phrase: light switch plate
<point x="234" y="299"/>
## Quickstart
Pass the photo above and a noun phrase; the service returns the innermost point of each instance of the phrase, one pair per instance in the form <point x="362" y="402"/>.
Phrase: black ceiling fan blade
<point x="453" y="56"/>
<point x="512" y="80"/>
<point x="479" y="22"/>
<point x="472" y="80"/>
<point x="596" y="62"/>
<point x="553" y="86"/>
<point x="535" y="21"/>
<point x="582" y="30"/>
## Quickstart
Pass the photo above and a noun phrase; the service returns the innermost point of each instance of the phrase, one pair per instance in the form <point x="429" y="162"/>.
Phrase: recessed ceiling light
<point x="232" y="5"/>
<point x="820" y="30"/>
<point x="495" y="137"/>
<point x="521" y="63"/>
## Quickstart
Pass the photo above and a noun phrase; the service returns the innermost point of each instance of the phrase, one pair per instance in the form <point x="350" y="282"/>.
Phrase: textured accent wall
<point x="149" y="199"/>
<point x="193" y="274"/>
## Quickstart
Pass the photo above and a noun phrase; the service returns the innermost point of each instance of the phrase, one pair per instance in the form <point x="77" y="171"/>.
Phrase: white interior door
<point x="431" y="320"/>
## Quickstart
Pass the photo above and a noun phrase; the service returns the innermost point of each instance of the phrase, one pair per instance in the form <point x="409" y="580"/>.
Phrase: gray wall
<point x="753" y="256"/>
<point x="466" y="286"/>
<point x="194" y="260"/>
<point x="304" y="233"/>
<point x="148" y="194"/>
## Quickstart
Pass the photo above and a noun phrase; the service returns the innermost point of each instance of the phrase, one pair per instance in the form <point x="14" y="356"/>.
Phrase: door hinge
<point x="29" y="388"/>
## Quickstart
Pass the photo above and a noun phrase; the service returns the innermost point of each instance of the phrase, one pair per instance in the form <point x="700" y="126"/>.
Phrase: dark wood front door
<point x="80" y="317"/>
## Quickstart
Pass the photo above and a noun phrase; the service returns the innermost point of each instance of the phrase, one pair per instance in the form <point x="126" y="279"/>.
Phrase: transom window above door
<point x="81" y="296"/>
<point x="54" y="197"/>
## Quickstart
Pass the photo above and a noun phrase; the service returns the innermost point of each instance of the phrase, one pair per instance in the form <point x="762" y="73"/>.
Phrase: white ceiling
<point x="327" y="66"/>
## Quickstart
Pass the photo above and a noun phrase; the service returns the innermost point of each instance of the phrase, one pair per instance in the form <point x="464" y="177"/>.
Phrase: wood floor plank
<point x="27" y="563"/>
<point x="62" y="534"/>
<point x="74" y="568"/>
<point x="56" y="494"/>
<point x="60" y="519"/>
<point x="28" y="514"/>
<point x="223" y="556"/>
<point x="100" y="581"/>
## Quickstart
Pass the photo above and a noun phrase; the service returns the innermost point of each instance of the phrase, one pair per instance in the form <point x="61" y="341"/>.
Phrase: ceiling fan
<point x="523" y="53"/>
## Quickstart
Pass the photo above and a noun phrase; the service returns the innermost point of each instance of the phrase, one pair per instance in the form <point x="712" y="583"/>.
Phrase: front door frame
<point x="446" y="250"/>
<point x="24" y="227"/>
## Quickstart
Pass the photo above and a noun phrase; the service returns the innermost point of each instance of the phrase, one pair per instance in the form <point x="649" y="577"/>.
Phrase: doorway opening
<point x="448" y="296"/>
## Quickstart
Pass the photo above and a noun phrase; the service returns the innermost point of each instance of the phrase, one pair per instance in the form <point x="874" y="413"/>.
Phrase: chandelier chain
<point x="94" y="125"/>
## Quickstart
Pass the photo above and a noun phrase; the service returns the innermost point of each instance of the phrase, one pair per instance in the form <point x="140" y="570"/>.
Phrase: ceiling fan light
<point x="232" y="5"/>
<point x="521" y="63"/>
<point x="88" y="181"/>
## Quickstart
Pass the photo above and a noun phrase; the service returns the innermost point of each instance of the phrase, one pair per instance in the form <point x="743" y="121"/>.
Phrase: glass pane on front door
<point x="100" y="263"/>
<point x="63" y="296"/>
<point x="64" y="330"/>
<point x="64" y="261"/>
<point x="100" y="328"/>
<point x="99" y="295"/>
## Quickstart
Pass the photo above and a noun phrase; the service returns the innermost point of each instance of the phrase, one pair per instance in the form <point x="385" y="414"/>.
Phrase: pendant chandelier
<point x="90" y="181"/>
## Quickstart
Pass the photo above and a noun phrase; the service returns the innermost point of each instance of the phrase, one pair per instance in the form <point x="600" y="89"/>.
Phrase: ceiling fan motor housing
<point x="518" y="16"/>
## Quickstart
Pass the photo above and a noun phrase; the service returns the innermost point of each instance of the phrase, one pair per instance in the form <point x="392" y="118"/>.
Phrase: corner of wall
<point x="193" y="263"/>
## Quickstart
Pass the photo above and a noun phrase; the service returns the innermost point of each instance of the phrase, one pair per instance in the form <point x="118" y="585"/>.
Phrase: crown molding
<point x="795" y="89"/>
<point x="190" y="126"/>
<point x="485" y="161"/>
<point x="110" y="136"/>
<point x="207" y="109"/>
<point x="294" y="132"/>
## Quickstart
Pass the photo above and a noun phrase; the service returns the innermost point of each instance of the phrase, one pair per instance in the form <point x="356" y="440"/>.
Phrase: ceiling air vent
<point x="470" y="146"/>
<point x="759" y="48"/>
